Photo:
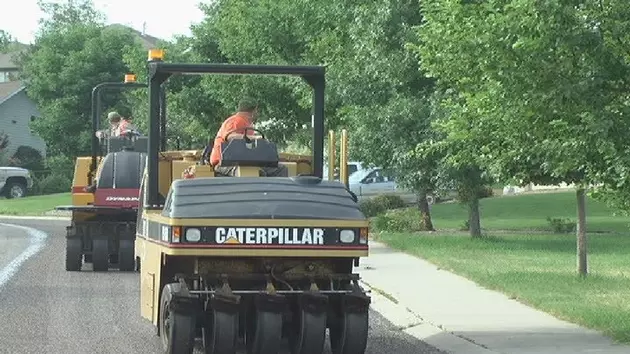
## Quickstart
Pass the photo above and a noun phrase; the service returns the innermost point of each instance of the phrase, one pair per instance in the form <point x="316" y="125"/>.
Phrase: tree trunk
<point x="425" y="212"/>
<point x="473" y="217"/>
<point x="582" y="264"/>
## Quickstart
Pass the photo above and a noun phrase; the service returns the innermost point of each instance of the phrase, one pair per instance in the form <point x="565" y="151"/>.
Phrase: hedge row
<point x="380" y="204"/>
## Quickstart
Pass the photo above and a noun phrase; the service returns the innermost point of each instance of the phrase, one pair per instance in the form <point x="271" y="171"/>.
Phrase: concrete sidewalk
<point x="458" y="316"/>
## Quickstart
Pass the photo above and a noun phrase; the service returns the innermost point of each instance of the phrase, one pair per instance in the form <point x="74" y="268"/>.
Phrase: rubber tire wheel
<point x="264" y="332"/>
<point x="349" y="335"/>
<point x="10" y="186"/>
<point x="219" y="326"/>
<point x="308" y="333"/>
<point x="179" y="338"/>
<point x="74" y="249"/>
<point x="100" y="255"/>
<point x="126" y="257"/>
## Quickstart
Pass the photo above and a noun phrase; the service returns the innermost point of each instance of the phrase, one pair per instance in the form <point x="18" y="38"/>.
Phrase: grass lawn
<point x="537" y="269"/>
<point x="526" y="212"/>
<point x="35" y="205"/>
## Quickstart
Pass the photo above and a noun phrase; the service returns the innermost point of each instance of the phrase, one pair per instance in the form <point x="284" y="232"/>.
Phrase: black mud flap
<point x="313" y="302"/>
<point x="355" y="302"/>
<point x="274" y="303"/>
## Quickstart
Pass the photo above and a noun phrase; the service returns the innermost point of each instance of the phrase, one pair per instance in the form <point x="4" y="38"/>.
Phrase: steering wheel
<point x="244" y="134"/>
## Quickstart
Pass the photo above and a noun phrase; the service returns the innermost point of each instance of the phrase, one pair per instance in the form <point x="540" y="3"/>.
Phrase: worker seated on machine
<point x="238" y="126"/>
<point x="119" y="126"/>
<point x="114" y="121"/>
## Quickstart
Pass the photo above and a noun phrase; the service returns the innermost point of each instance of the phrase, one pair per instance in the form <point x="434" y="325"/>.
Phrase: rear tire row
<point x="264" y="330"/>
<point x="100" y="257"/>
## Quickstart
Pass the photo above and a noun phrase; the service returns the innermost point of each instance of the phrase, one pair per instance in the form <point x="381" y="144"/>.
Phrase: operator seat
<point x="243" y="153"/>
<point x="137" y="143"/>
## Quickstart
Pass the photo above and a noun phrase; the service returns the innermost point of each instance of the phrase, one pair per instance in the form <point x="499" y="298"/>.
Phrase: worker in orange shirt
<point x="244" y="118"/>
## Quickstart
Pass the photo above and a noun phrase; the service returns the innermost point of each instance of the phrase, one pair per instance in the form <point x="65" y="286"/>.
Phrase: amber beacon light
<point x="129" y="78"/>
<point x="156" y="54"/>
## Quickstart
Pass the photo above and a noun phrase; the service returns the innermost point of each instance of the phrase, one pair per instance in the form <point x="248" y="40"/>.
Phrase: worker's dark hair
<point x="247" y="105"/>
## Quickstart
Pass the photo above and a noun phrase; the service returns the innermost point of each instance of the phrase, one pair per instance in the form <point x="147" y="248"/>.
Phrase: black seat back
<point x="258" y="153"/>
<point x="116" y="144"/>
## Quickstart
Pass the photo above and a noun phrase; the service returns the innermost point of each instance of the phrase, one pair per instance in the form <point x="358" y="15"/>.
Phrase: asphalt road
<point x="44" y="309"/>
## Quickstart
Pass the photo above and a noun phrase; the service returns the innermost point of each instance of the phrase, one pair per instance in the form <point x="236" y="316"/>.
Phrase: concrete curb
<point x="414" y="325"/>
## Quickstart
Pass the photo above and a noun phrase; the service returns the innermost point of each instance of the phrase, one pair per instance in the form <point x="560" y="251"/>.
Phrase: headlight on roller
<point x="346" y="236"/>
<point x="193" y="235"/>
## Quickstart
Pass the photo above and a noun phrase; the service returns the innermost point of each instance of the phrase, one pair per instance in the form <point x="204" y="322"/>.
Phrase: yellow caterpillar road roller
<point x="105" y="194"/>
<point x="249" y="260"/>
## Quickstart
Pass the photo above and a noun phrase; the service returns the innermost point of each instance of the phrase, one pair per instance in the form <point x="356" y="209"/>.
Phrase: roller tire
<point x="349" y="334"/>
<point x="220" y="335"/>
<point x="74" y="249"/>
<point x="126" y="256"/>
<point x="309" y="333"/>
<point x="264" y="332"/>
<point x="178" y="336"/>
<point x="100" y="255"/>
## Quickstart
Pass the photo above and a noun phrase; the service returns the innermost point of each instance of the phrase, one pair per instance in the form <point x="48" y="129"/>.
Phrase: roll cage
<point x="159" y="72"/>
<point x="97" y="111"/>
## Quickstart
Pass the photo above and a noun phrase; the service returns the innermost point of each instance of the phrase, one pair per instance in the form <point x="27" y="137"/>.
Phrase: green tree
<point x="541" y="83"/>
<point x="382" y="95"/>
<point x="5" y="40"/>
<point x="73" y="52"/>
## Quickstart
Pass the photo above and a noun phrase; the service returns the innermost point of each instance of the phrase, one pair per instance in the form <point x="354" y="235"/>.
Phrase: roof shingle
<point x="8" y="88"/>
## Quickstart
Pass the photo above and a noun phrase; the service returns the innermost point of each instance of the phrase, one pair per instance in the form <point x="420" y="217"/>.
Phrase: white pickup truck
<point x="15" y="182"/>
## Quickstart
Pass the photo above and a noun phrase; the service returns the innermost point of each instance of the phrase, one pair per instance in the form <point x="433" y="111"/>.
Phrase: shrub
<point x="394" y="223"/>
<point x="486" y="192"/>
<point x="391" y="201"/>
<point x="53" y="183"/>
<point x="561" y="226"/>
<point x="371" y="207"/>
<point x="29" y="158"/>
<point x="374" y="206"/>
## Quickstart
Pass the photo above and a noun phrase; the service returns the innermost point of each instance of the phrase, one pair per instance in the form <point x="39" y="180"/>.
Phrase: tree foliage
<point x="450" y="94"/>
<point x="73" y="52"/>
<point x="540" y="88"/>
<point x="548" y="87"/>
<point x="5" y="40"/>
